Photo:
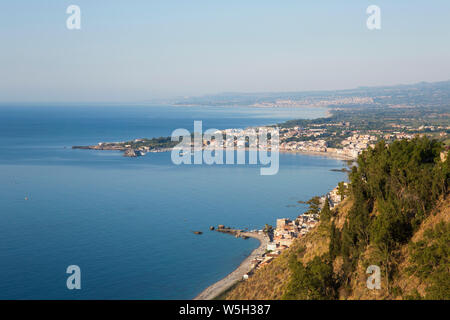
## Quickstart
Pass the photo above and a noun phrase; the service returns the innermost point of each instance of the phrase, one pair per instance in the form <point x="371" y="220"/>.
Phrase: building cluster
<point x="305" y="146"/>
<point x="399" y="136"/>
<point x="334" y="196"/>
<point x="284" y="234"/>
<point x="314" y="102"/>
<point x="142" y="149"/>
<point x="298" y="132"/>
<point x="352" y="146"/>
<point x="288" y="230"/>
<point x="357" y="143"/>
<point x="291" y="139"/>
<point x="236" y="138"/>
<point x="312" y="139"/>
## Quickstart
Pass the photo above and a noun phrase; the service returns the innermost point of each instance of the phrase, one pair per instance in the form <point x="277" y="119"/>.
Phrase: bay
<point x="128" y="222"/>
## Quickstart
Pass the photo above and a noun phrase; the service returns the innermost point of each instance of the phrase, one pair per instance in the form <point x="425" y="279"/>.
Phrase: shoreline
<point x="237" y="274"/>
<point x="224" y="284"/>
<point x="331" y="155"/>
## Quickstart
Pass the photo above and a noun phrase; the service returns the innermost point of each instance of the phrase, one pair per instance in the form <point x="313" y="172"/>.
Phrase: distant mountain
<point x="419" y="93"/>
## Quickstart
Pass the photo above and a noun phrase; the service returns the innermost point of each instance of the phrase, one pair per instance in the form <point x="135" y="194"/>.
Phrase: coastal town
<point x="352" y="123"/>
<point x="351" y="146"/>
<point x="347" y="144"/>
<point x="287" y="230"/>
<point x="273" y="241"/>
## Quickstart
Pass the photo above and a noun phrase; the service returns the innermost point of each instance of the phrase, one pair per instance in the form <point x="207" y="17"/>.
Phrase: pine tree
<point x="325" y="213"/>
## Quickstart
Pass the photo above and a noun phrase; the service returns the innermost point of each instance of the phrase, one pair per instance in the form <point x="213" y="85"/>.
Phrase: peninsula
<point x="355" y="121"/>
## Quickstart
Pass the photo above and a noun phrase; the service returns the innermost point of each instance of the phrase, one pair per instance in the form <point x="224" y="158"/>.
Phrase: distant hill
<point x="422" y="92"/>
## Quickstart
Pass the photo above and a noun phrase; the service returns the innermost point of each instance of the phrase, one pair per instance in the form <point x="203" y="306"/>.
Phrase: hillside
<point x="270" y="282"/>
<point x="396" y="216"/>
<point x="405" y="282"/>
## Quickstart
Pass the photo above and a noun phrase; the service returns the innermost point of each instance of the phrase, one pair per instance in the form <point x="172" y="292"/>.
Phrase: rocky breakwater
<point x="130" y="153"/>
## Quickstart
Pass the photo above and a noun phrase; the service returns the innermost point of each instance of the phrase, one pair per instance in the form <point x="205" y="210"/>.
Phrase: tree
<point x="314" y="205"/>
<point x="268" y="230"/>
<point x="325" y="213"/>
<point x="315" y="281"/>
<point x="342" y="190"/>
<point x="430" y="261"/>
<point x="335" y="241"/>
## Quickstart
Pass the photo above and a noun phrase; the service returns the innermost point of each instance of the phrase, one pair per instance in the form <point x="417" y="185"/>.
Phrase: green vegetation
<point x="335" y="241"/>
<point x="342" y="190"/>
<point x="314" y="205"/>
<point x="315" y="281"/>
<point x="430" y="261"/>
<point x="155" y="143"/>
<point x="393" y="189"/>
<point x="268" y="230"/>
<point x="325" y="213"/>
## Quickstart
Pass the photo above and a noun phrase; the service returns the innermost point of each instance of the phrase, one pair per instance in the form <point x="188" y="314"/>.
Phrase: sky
<point x="132" y="51"/>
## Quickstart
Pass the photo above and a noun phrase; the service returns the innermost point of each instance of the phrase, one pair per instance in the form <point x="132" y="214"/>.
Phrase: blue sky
<point x="139" y="50"/>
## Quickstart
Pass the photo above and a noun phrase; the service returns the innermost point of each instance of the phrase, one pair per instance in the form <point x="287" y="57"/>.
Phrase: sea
<point x="128" y="222"/>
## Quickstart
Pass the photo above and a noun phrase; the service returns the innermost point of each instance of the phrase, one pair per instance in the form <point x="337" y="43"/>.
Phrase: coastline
<point x="331" y="155"/>
<point x="221" y="286"/>
<point x="226" y="283"/>
<point x="318" y="153"/>
<point x="216" y="289"/>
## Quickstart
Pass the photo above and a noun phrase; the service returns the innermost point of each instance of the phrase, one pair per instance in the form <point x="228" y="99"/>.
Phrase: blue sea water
<point x="128" y="222"/>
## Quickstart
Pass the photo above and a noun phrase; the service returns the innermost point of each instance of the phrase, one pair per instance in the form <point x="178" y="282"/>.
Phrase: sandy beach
<point x="217" y="288"/>
<point x="331" y="155"/>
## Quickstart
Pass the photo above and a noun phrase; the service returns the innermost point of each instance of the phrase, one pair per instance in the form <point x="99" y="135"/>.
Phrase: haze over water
<point x="128" y="222"/>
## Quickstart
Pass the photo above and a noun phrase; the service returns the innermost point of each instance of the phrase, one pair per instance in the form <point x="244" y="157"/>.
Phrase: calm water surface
<point x="128" y="222"/>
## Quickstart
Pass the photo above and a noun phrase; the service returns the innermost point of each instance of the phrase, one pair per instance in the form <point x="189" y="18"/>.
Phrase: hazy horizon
<point x="146" y="50"/>
<point x="213" y="94"/>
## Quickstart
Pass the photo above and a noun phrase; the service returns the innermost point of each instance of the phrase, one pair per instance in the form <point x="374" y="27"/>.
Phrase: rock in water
<point x="130" y="153"/>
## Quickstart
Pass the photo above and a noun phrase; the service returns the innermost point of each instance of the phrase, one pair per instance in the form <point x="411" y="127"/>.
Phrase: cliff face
<point x="272" y="282"/>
